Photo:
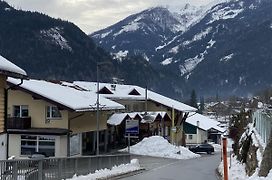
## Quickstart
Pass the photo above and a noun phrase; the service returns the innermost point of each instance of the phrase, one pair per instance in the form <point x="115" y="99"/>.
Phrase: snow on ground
<point x="237" y="171"/>
<point x="167" y="61"/>
<point x="107" y="173"/>
<point x="157" y="146"/>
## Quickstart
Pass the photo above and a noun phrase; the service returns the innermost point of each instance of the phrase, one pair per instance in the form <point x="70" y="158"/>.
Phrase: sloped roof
<point x="205" y="123"/>
<point x="68" y="95"/>
<point x="10" y="69"/>
<point x="118" y="118"/>
<point x="122" y="92"/>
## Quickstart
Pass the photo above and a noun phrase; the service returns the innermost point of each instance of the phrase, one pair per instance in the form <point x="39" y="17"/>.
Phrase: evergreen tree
<point x="193" y="101"/>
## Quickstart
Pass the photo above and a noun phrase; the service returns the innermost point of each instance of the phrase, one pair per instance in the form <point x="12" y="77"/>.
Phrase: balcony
<point x="19" y="123"/>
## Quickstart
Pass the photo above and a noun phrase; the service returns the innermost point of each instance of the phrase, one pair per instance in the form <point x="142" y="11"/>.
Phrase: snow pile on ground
<point x="237" y="171"/>
<point x="107" y="173"/>
<point x="157" y="146"/>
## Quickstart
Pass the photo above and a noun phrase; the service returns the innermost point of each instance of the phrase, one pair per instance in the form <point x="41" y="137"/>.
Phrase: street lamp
<point x="99" y="64"/>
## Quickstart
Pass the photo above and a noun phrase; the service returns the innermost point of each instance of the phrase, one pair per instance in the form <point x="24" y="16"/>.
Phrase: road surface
<point x="169" y="169"/>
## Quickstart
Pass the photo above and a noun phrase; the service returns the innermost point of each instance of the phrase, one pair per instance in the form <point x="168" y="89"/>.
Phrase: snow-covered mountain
<point x="148" y="31"/>
<point x="224" y="47"/>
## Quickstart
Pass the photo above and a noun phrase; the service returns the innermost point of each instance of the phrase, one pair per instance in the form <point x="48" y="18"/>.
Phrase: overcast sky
<point x="93" y="15"/>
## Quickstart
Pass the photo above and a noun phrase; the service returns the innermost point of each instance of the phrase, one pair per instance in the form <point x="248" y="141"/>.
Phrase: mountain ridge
<point x="216" y="54"/>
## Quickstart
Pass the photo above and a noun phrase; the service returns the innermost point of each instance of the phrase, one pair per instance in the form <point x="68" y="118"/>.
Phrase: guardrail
<point x="263" y="123"/>
<point x="57" y="168"/>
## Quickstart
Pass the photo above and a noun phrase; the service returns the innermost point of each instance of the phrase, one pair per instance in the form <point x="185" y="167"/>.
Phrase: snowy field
<point x="157" y="146"/>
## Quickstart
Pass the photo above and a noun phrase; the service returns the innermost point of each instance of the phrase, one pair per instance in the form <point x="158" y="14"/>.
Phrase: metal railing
<point x="58" y="168"/>
<point x="263" y="123"/>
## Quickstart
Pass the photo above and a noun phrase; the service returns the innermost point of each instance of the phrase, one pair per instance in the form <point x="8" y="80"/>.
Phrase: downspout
<point x="6" y="114"/>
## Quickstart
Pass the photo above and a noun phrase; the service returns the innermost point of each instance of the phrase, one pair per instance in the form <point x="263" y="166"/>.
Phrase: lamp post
<point x="97" y="104"/>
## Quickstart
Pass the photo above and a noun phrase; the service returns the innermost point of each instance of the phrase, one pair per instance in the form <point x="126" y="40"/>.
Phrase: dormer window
<point x="105" y="90"/>
<point x="134" y="92"/>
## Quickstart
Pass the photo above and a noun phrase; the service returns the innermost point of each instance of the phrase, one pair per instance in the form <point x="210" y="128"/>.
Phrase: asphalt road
<point x="170" y="169"/>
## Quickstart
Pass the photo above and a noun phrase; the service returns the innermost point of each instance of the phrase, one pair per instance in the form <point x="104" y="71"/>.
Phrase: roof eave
<point x="13" y="74"/>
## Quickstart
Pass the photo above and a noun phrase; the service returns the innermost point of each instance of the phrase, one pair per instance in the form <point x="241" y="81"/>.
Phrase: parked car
<point x="202" y="148"/>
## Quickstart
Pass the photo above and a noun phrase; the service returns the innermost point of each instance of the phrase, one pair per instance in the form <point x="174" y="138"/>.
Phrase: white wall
<point x="15" y="146"/>
<point x="198" y="138"/>
<point x="3" y="146"/>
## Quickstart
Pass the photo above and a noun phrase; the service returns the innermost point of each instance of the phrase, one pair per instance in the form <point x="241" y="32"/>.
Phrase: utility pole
<point x="97" y="110"/>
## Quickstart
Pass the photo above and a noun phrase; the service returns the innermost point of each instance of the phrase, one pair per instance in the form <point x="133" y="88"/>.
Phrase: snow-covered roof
<point x="205" y="123"/>
<point x="122" y="92"/>
<point x="10" y="68"/>
<point x="117" y="118"/>
<point x="67" y="95"/>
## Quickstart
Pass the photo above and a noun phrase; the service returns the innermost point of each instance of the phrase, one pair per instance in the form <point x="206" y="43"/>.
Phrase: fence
<point x="263" y="123"/>
<point x="57" y="168"/>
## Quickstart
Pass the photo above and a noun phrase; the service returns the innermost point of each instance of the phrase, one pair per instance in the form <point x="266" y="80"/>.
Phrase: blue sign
<point x="132" y="126"/>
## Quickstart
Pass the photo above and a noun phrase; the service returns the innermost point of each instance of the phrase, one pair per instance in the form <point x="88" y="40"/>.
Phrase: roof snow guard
<point x="9" y="69"/>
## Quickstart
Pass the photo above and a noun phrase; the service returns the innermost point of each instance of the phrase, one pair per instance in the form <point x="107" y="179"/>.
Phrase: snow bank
<point x="157" y="146"/>
<point x="237" y="171"/>
<point x="107" y="173"/>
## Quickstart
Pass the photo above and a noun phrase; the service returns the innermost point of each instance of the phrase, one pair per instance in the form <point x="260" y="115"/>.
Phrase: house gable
<point x="134" y="92"/>
<point x="104" y="90"/>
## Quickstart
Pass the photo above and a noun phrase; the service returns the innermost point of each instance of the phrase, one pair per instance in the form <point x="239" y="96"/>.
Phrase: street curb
<point x="124" y="175"/>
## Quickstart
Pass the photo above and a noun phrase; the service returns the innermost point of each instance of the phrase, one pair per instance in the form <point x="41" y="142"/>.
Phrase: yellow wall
<point x="37" y="110"/>
<point x="85" y="122"/>
<point x="2" y="101"/>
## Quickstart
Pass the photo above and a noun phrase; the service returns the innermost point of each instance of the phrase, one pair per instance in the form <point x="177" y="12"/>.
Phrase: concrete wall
<point x="2" y="101"/>
<point x="37" y="110"/>
<point x="3" y="146"/>
<point x="14" y="145"/>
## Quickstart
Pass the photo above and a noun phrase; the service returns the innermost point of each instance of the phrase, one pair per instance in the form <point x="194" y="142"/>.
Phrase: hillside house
<point x="55" y="118"/>
<point x="6" y="69"/>
<point x="138" y="99"/>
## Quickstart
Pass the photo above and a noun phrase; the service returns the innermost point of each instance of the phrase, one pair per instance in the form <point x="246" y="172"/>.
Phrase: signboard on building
<point x="132" y="126"/>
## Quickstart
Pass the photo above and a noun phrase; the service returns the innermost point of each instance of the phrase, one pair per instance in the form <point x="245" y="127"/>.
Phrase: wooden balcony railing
<point x="19" y="123"/>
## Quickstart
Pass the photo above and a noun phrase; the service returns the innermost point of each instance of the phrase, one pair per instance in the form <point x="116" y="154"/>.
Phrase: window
<point x="20" y="111"/>
<point x="52" y="112"/>
<point x="190" y="136"/>
<point x="41" y="144"/>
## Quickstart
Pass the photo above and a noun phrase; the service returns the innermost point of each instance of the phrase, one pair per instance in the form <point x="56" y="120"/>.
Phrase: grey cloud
<point x="92" y="15"/>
